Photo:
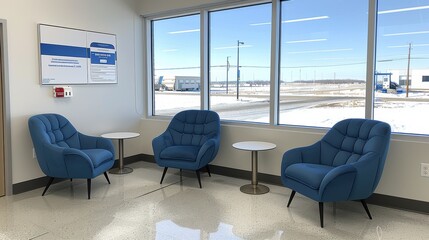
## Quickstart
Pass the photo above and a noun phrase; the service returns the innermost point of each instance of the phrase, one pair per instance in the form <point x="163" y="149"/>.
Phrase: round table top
<point x="254" y="146"/>
<point x="120" y="135"/>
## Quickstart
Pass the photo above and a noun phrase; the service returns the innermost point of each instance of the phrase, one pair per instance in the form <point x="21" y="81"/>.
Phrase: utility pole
<point x="238" y="66"/>
<point x="227" y="71"/>
<point x="408" y="69"/>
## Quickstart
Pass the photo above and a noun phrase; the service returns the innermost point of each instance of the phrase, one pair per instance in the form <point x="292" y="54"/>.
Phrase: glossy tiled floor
<point x="136" y="206"/>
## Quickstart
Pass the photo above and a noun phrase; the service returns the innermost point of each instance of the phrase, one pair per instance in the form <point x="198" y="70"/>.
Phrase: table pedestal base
<point x="254" y="146"/>
<point x="124" y="170"/>
<point x="254" y="189"/>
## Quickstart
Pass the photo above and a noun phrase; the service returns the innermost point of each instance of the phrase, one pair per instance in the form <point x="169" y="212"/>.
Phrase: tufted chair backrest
<point x="50" y="131"/>
<point x="350" y="139"/>
<point x="53" y="129"/>
<point x="194" y="127"/>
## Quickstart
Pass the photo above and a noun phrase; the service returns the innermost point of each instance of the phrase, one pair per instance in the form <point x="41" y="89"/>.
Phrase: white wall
<point x="401" y="176"/>
<point x="94" y="109"/>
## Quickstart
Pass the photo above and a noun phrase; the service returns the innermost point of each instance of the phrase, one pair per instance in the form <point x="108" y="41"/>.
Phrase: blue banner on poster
<point x="62" y="50"/>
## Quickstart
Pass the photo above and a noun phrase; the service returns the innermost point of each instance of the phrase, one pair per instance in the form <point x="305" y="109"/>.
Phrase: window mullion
<point x="370" y="63"/>
<point x="148" y="87"/>
<point x="275" y="63"/>
<point x="204" y="63"/>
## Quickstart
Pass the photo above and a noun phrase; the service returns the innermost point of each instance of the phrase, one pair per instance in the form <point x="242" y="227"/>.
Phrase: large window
<point x="320" y="62"/>
<point x="402" y="55"/>
<point x="240" y="41"/>
<point x="176" y="64"/>
<point x="323" y="61"/>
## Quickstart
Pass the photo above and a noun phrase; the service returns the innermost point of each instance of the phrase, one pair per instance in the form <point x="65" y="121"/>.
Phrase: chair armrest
<point x="308" y="154"/>
<point x="78" y="164"/>
<point x="367" y="165"/>
<point x="207" y="152"/>
<point x="65" y="162"/>
<point x="368" y="173"/>
<point x="51" y="159"/>
<point x="74" y="151"/>
<point x="158" y="144"/>
<point x="338" y="183"/>
<point x="91" y="142"/>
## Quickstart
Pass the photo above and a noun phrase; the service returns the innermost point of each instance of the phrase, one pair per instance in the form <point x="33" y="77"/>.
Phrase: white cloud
<point x="324" y="50"/>
<point x="292" y="20"/>
<point x="403" y="9"/>
<point x="405" y="33"/>
<point x="184" y="31"/>
<point x="307" y="40"/>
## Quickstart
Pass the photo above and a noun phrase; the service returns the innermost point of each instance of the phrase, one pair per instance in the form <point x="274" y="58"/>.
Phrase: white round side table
<point x="254" y="146"/>
<point x="120" y="136"/>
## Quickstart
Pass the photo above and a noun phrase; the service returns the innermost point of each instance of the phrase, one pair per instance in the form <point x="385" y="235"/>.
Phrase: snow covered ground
<point x="405" y="115"/>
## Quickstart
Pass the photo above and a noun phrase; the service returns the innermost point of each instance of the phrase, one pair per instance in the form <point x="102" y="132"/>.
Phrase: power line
<point x="264" y="67"/>
<point x="292" y="67"/>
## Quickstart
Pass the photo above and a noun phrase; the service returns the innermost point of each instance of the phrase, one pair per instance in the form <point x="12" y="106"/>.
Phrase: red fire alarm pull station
<point x="62" y="91"/>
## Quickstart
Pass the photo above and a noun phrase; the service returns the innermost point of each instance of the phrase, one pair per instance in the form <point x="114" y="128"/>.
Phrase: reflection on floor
<point x="136" y="206"/>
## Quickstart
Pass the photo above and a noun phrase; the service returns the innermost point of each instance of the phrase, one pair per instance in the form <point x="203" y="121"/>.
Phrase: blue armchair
<point x="63" y="152"/>
<point x="345" y="165"/>
<point x="190" y="142"/>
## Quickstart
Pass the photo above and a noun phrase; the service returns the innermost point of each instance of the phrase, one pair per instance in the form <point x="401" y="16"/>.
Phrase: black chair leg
<point x="291" y="197"/>
<point x="107" y="177"/>
<point x="71" y="179"/>
<point x="198" y="176"/>
<point x="47" y="186"/>
<point x="88" y="183"/>
<point x="321" y="213"/>
<point x="366" y="208"/>
<point x="208" y="170"/>
<point x="163" y="174"/>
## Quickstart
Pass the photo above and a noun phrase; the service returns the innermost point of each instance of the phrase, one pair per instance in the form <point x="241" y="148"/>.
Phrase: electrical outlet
<point x="424" y="169"/>
<point x="34" y="153"/>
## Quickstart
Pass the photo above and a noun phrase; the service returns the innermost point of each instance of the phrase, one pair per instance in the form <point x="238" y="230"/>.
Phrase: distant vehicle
<point x="396" y="87"/>
<point x="392" y="88"/>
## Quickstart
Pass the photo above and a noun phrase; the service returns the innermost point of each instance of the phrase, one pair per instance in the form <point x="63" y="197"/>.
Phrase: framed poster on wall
<point x="73" y="56"/>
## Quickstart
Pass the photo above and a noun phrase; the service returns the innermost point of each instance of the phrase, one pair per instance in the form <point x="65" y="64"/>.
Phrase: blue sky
<point x="401" y="23"/>
<point x="327" y="40"/>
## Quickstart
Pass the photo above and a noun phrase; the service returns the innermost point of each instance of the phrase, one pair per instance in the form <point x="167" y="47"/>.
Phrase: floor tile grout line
<point x="158" y="189"/>
<point x="38" y="236"/>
